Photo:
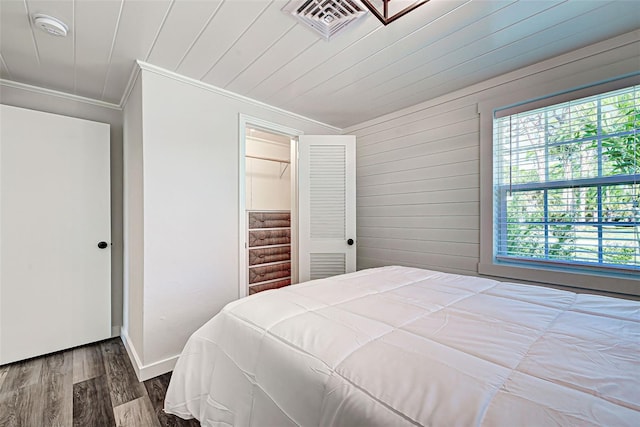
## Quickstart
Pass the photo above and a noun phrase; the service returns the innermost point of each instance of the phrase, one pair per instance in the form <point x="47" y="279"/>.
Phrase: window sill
<point x="625" y="284"/>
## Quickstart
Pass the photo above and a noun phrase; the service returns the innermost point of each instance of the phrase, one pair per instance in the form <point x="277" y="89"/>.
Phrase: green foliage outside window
<point x="567" y="179"/>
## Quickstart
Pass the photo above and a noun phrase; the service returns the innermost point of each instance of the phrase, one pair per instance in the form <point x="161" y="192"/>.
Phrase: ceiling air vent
<point x="328" y="17"/>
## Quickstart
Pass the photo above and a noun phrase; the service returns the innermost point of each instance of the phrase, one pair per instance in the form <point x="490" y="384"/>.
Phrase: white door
<point x="55" y="280"/>
<point x="327" y="205"/>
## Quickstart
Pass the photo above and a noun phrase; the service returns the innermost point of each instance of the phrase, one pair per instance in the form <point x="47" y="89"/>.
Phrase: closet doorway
<point x="268" y="210"/>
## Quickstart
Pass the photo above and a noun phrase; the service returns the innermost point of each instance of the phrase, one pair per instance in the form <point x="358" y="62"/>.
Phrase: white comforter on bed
<point x="399" y="346"/>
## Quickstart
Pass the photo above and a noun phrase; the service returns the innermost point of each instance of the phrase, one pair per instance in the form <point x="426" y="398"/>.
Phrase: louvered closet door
<point x="327" y="205"/>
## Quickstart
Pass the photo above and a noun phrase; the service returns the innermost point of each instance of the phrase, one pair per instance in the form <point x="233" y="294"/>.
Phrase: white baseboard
<point x="145" y="372"/>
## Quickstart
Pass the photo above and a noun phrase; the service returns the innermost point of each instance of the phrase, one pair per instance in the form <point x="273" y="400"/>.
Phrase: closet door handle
<point x="102" y="245"/>
<point x="350" y="242"/>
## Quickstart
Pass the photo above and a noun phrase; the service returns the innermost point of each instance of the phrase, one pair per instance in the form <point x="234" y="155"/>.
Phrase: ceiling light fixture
<point x="387" y="11"/>
<point x="50" y="25"/>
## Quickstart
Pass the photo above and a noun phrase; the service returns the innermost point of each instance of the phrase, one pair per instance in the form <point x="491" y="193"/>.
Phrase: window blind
<point x="566" y="182"/>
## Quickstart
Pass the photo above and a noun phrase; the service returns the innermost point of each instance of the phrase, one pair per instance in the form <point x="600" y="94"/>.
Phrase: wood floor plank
<point x="92" y="403"/>
<point x="157" y="390"/>
<point x="123" y="383"/>
<point x="22" y="374"/>
<point x="4" y="370"/>
<point x="136" y="413"/>
<point x="87" y="363"/>
<point x="22" y="407"/>
<point x="57" y="387"/>
<point x="89" y="386"/>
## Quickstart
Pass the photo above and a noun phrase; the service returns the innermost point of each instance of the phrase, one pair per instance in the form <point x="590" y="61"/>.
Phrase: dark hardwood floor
<point x="89" y="386"/>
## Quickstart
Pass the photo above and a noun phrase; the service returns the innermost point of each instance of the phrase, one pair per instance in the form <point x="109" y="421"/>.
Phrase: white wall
<point x="418" y="179"/>
<point x="33" y="98"/>
<point x="190" y="161"/>
<point x="268" y="185"/>
<point x="133" y="221"/>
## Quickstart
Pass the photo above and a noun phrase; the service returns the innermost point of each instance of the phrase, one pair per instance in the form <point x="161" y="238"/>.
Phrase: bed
<point x="399" y="346"/>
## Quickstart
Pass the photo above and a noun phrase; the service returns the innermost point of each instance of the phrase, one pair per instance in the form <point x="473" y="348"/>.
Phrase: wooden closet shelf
<point x="266" y="264"/>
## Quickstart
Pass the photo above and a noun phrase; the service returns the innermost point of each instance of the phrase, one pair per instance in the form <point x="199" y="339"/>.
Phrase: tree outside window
<point x="566" y="182"/>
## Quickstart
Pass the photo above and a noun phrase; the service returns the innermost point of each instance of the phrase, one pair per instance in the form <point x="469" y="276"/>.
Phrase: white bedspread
<point x="398" y="346"/>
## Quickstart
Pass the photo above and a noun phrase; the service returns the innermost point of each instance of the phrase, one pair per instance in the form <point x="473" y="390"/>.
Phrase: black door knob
<point x="102" y="245"/>
<point x="350" y="242"/>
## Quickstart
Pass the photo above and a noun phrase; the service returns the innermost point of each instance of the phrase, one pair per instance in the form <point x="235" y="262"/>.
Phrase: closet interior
<point x="268" y="210"/>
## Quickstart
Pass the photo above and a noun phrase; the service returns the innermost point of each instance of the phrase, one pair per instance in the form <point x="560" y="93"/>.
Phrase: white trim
<point x="145" y="372"/>
<point x="6" y="67"/>
<point x="584" y="91"/>
<point x="246" y="120"/>
<point x="522" y="73"/>
<point x="158" y="368"/>
<point x="613" y="284"/>
<point x="51" y="92"/>
<point x="131" y="351"/>
<point x="243" y="122"/>
<point x="141" y="65"/>
<point x="219" y="91"/>
<point x="133" y="77"/>
<point x="295" y="198"/>
<point x="575" y="278"/>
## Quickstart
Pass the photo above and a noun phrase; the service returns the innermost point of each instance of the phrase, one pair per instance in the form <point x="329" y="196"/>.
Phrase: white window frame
<point x="573" y="276"/>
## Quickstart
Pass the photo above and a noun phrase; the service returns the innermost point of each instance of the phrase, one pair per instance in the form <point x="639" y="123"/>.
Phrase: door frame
<point x="245" y="121"/>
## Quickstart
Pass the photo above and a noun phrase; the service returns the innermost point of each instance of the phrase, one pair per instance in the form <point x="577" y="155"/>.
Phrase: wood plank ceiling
<point x="252" y="48"/>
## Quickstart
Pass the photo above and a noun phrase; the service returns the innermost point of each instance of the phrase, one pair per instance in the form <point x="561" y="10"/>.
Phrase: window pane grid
<point x="566" y="184"/>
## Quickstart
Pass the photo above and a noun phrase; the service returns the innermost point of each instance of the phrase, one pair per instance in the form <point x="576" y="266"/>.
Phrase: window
<point x="566" y="183"/>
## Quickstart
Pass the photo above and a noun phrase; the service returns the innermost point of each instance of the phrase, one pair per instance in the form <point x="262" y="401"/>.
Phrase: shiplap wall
<point x="418" y="190"/>
<point x="418" y="169"/>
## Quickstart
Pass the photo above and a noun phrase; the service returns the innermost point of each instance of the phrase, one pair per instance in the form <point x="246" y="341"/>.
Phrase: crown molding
<point x="133" y="76"/>
<point x="626" y="40"/>
<point x="56" y="93"/>
<point x="214" y="89"/>
<point x="135" y="72"/>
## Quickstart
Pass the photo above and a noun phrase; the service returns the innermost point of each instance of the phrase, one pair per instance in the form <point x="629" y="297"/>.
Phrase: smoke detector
<point x="50" y="25"/>
<point x="328" y="17"/>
